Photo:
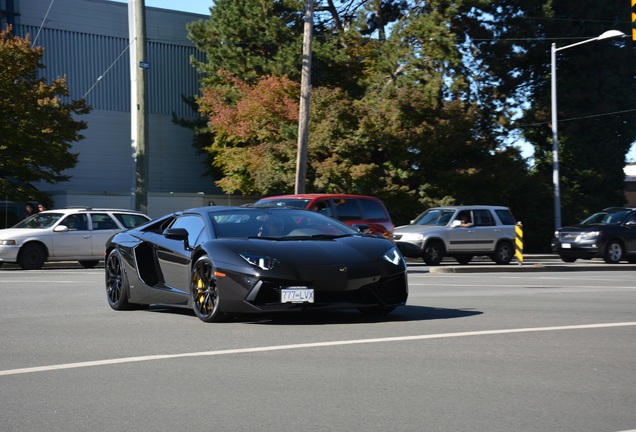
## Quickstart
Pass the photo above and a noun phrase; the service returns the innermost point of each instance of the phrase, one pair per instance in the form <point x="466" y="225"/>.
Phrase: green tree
<point x="36" y="124"/>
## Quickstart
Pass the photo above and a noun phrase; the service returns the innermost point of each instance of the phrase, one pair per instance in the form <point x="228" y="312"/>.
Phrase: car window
<point x="631" y="218"/>
<point x="40" y="220"/>
<point x="283" y="202"/>
<point x="483" y="218"/>
<point x="347" y="209"/>
<point x="373" y="210"/>
<point x="195" y="227"/>
<point x="438" y="217"/>
<point x="506" y="217"/>
<point x="605" y="218"/>
<point x="76" y="222"/>
<point x="103" y="221"/>
<point x="323" y="207"/>
<point x="130" y="220"/>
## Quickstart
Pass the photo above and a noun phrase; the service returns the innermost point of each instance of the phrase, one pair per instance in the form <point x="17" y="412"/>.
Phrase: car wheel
<point x="613" y="252"/>
<point x="116" y="282"/>
<point x="464" y="259"/>
<point x="567" y="258"/>
<point x="32" y="256"/>
<point x="503" y="253"/>
<point x="88" y="264"/>
<point x="433" y="253"/>
<point x="206" y="300"/>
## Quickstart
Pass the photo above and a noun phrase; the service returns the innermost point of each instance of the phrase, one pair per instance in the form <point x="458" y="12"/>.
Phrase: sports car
<point x="226" y="261"/>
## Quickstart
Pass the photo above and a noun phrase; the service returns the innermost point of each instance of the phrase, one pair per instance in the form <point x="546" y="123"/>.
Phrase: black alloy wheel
<point x="206" y="300"/>
<point x="116" y="282"/>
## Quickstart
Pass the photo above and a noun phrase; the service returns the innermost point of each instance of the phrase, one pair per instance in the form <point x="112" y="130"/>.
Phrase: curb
<point x="530" y="268"/>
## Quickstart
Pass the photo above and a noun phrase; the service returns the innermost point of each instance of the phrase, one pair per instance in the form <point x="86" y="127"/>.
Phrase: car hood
<point x="13" y="233"/>
<point x="586" y="227"/>
<point x="353" y="249"/>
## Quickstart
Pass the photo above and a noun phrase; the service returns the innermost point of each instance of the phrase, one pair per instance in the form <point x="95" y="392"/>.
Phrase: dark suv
<point x="609" y="234"/>
<point x="350" y="209"/>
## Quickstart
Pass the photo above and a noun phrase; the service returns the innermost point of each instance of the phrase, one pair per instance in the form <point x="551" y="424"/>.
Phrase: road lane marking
<point x="303" y="345"/>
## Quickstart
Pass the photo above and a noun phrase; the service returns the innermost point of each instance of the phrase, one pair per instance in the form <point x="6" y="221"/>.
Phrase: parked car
<point x="72" y="234"/>
<point x="461" y="232"/>
<point x="609" y="234"/>
<point x="223" y="261"/>
<point x="350" y="209"/>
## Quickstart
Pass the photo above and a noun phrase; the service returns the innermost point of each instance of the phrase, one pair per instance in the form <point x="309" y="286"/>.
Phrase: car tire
<point x="567" y="258"/>
<point x="464" y="259"/>
<point x="206" y="299"/>
<point x="117" y="287"/>
<point x="32" y="256"/>
<point x="433" y="253"/>
<point x="614" y="252"/>
<point x="89" y="264"/>
<point x="503" y="253"/>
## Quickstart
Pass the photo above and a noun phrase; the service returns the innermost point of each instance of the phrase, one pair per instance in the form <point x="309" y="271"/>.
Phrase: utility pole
<point x="305" y="89"/>
<point x="138" y="99"/>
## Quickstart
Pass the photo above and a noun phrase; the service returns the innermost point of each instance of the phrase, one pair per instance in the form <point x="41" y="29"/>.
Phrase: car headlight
<point x="260" y="261"/>
<point x="412" y="237"/>
<point x="7" y="242"/>
<point x="393" y="256"/>
<point x="591" y="235"/>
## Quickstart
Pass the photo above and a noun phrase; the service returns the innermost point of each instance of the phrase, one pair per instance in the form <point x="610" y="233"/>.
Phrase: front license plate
<point x="297" y="295"/>
<point x="566" y="245"/>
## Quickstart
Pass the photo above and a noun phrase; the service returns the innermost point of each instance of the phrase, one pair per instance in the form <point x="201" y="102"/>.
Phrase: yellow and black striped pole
<point x="519" y="242"/>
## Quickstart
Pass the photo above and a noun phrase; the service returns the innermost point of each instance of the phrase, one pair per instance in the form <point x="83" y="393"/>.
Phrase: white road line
<point x="304" y="345"/>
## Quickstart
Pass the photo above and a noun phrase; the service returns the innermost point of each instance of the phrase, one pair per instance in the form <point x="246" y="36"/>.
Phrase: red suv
<point x="350" y="209"/>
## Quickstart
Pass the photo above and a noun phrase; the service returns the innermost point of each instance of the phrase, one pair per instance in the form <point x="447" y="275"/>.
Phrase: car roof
<point x="70" y="210"/>
<point x="317" y="195"/>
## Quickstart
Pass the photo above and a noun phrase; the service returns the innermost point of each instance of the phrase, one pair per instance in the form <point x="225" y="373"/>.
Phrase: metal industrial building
<point x="87" y="41"/>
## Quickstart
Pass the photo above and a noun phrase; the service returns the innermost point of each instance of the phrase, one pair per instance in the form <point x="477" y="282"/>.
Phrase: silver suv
<point x="72" y="234"/>
<point x="461" y="232"/>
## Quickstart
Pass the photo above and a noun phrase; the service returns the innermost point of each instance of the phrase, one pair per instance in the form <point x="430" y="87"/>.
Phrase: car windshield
<point x="438" y="217"/>
<point x="40" y="220"/>
<point x="277" y="223"/>
<point x="604" y="218"/>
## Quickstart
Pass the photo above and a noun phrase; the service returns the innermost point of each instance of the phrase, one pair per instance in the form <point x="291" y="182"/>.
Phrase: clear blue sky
<point x="194" y="6"/>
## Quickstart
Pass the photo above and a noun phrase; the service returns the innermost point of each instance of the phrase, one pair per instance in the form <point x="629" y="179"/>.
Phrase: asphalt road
<point x="483" y="351"/>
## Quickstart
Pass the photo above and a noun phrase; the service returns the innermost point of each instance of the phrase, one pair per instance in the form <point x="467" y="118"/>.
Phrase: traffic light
<point x="633" y="20"/>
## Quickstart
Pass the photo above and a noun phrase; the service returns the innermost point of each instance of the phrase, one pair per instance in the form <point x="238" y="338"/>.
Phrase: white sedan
<point x="74" y="234"/>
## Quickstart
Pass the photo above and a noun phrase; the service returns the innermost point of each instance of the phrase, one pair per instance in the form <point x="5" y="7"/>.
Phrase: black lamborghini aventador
<point x="224" y="261"/>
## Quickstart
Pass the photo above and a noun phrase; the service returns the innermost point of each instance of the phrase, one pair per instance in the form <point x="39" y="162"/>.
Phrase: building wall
<point x="87" y="42"/>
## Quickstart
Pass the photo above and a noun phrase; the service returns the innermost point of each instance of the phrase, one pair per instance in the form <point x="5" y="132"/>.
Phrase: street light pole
<point x="555" y="135"/>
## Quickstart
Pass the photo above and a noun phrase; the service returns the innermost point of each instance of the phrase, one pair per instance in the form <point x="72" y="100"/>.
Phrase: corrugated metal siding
<point x="84" y="58"/>
<point x="83" y="39"/>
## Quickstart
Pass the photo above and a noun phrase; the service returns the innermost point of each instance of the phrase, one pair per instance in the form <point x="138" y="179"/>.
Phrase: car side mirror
<point x="177" y="234"/>
<point x="456" y="223"/>
<point x="61" y="228"/>
<point x="630" y="223"/>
